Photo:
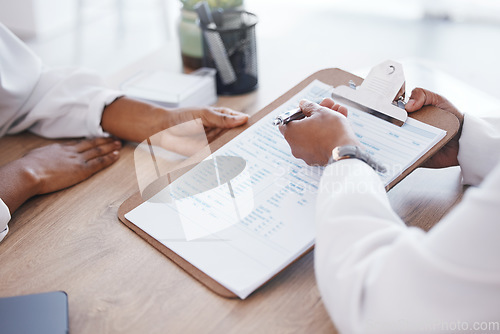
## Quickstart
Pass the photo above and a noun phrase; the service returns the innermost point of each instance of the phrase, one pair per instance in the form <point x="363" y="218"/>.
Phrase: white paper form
<point x="248" y="227"/>
<point x="397" y="148"/>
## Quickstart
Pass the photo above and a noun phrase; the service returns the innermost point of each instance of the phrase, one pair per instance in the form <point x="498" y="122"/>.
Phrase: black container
<point x="237" y="33"/>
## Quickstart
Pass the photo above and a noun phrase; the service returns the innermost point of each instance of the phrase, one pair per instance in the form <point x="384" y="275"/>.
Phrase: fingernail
<point x="410" y="103"/>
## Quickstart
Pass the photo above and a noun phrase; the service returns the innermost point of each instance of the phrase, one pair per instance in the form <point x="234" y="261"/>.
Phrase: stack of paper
<point x="172" y="89"/>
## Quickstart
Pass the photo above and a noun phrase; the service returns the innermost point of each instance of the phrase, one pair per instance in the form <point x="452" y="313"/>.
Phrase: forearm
<point x="352" y="207"/>
<point x="133" y="120"/>
<point x="354" y="223"/>
<point x="17" y="184"/>
<point x="378" y="276"/>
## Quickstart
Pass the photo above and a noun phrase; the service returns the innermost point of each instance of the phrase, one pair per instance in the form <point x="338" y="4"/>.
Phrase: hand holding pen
<point x="323" y="127"/>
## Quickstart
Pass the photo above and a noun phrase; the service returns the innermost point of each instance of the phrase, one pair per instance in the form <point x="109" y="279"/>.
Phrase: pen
<point x="288" y="116"/>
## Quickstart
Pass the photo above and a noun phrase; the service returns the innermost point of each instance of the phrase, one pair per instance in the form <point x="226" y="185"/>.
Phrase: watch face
<point x="342" y="152"/>
<point x="335" y="154"/>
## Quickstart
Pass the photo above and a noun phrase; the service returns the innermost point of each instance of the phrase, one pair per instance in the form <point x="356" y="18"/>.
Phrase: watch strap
<point x="356" y="152"/>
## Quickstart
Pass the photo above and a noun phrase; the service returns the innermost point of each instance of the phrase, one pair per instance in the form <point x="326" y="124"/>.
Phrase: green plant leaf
<point x="225" y="4"/>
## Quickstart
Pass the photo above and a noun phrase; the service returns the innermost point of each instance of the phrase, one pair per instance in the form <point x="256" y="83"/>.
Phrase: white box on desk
<point x="172" y="89"/>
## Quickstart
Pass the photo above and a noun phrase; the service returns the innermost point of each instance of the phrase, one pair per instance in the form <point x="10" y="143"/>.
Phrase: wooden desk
<point x="72" y="240"/>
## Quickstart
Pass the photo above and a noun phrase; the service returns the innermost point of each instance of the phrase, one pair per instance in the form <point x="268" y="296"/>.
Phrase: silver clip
<point x="381" y="93"/>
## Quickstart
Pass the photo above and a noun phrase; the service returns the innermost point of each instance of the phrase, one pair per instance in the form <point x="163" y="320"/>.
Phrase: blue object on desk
<point x="42" y="313"/>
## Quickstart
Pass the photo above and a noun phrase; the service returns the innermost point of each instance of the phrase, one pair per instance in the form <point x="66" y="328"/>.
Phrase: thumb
<point x="416" y="101"/>
<point x="308" y="107"/>
<point x="422" y="97"/>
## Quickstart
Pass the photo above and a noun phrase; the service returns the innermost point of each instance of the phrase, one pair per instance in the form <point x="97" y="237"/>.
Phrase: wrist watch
<point x="356" y="152"/>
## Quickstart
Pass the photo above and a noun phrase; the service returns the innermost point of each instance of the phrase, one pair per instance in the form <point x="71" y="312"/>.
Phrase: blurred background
<point x="459" y="39"/>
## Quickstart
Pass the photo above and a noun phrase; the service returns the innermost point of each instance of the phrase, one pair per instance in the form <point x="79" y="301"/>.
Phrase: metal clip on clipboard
<point x="381" y="93"/>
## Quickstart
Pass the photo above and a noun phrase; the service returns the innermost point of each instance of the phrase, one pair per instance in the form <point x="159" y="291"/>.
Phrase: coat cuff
<point x="4" y="219"/>
<point x="96" y="108"/>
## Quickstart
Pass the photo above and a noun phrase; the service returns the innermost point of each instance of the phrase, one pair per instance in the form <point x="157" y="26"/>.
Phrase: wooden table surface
<point x="72" y="240"/>
<point x="116" y="282"/>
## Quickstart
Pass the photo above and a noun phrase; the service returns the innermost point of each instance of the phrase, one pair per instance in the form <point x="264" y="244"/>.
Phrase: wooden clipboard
<point x="332" y="76"/>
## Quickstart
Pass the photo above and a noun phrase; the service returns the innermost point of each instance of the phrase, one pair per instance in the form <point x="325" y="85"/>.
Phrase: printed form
<point x="247" y="212"/>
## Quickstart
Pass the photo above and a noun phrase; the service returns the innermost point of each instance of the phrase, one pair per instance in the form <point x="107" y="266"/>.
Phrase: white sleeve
<point x="4" y="219"/>
<point x="49" y="102"/>
<point x="66" y="103"/>
<point x="378" y="276"/>
<point x="479" y="148"/>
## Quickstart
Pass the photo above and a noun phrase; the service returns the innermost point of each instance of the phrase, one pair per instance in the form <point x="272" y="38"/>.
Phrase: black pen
<point x="288" y="116"/>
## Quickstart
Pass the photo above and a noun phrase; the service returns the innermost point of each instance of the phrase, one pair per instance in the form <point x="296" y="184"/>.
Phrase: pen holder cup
<point x="230" y="48"/>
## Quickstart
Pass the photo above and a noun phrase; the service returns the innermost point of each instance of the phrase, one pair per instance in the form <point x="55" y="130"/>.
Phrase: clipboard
<point x="332" y="76"/>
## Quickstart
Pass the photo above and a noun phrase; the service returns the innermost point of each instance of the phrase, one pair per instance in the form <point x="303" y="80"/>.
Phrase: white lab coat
<point x="376" y="275"/>
<point x="49" y="102"/>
